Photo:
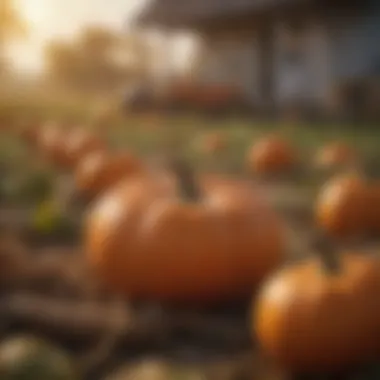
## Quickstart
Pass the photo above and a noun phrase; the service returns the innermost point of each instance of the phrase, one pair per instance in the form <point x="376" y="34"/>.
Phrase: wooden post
<point x="266" y="59"/>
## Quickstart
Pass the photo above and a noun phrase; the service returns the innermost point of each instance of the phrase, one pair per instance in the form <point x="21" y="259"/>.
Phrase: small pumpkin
<point x="100" y="170"/>
<point x="80" y="143"/>
<point x="321" y="314"/>
<point x="342" y="206"/>
<point x="213" y="143"/>
<point x="271" y="155"/>
<point x="178" y="239"/>
<point x="335" y="155"/>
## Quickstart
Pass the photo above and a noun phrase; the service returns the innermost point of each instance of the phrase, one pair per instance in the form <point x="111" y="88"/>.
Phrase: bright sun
<point x="35" y="12"/>
<point x="49" y="19"/>
<point x="27" y="54"/>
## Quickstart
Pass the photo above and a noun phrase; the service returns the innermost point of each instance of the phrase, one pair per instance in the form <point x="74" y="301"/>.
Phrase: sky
<point x="50" y="19"/>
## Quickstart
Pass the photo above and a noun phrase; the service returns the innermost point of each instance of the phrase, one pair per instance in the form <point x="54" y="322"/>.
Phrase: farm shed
<point x="316" y="54"/>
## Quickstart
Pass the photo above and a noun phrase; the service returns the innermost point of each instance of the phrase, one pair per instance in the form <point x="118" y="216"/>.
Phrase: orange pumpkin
<point x="80" y="143"/>
<point x="342" y="206"/>
<point x="271" y="155"/>
<point x="321" y="315"/>
<point x="335" y="155"/>
<point x="168" y="240"/>
<point x="100" y="170"/>
<point x="213" y="143"/>
<point x="374" y="207"/>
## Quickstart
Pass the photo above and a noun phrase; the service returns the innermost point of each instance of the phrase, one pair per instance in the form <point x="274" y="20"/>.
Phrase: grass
<point x="146" y="134"/>
<point x="241" y="135"/>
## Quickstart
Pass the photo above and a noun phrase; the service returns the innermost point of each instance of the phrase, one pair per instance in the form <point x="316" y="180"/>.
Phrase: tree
<point x="63" y="62"/>
<point x="98" y="60"/>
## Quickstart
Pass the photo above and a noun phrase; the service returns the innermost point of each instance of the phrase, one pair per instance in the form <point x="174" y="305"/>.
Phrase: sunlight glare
<point x="34" y="11"/>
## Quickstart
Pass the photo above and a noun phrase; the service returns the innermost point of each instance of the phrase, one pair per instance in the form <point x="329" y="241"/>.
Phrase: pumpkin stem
<point x="187" y="184"/>
<point x="329" y="258"/>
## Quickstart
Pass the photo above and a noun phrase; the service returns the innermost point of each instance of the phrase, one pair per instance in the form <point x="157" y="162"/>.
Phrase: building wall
<point x="232" y="59"/>
<point x="308" y="81"/>
<point x="334" y="48"/>
<point x="355" y="43"/>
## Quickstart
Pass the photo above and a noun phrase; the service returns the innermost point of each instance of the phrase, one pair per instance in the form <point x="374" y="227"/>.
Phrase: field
<point x="48" y="290"/>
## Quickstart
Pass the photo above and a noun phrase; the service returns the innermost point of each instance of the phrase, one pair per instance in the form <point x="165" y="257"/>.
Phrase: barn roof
<point x="179" y="12"/>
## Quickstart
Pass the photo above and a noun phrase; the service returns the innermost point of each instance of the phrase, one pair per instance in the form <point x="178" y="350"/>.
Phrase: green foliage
<point x="27" y="187"/>
<point x="99" y="60"/>
<point x="50" y="218"/>
<point x="23" y="178"/>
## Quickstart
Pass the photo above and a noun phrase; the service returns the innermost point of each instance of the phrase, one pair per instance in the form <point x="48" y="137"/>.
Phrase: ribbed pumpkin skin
<point x="147" y="243"/>
<point x="100" y="170"/>
<point x="374" y="207"/>
<point x="309" y="321"/>
<point x="80" y="143"/>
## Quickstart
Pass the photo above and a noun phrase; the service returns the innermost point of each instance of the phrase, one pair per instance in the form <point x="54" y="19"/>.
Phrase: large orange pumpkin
<point x="374" y="207"/>
<point x="80" y="143"/>
<point x="100" y="170"/>
<point x="321" y="315"/>
<point x="335" y="155"/>
<point x="169" y="240"/>
<point x="271" y="155"/>
<point x="342" y="207"/>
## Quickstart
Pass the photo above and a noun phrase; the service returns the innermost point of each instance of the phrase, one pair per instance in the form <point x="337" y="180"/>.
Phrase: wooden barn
<point x="317" y="55"/>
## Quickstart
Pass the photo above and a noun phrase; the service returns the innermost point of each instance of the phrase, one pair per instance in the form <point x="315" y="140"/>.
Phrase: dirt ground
<point x="54" y="296"/>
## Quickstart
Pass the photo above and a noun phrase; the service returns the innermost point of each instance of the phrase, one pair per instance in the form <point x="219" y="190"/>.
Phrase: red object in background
<point x="219" y="95"/>
<point x="204" y="96"/>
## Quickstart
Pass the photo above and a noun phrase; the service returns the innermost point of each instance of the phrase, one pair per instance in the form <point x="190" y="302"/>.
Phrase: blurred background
<point x="309" y="59"/>
<point x="89" y="50"/>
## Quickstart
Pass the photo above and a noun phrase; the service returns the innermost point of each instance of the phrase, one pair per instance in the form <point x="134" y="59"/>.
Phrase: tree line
<point x="97" y="60"/>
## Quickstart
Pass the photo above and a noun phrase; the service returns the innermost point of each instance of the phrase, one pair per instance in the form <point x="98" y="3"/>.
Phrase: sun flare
<point x="34" y="12"/>
<point x="63" y="19"/>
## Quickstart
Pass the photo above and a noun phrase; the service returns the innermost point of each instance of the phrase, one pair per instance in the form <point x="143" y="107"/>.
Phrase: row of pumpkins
<point x="275" y="155"/>
<point x="348" y="203"/>
<point x="177" y="237"/>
